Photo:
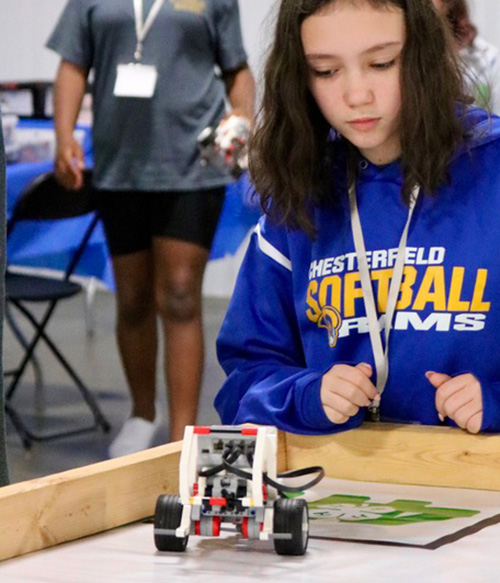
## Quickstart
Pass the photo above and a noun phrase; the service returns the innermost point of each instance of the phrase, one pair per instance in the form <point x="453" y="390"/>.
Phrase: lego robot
<point x="227" y="475"/>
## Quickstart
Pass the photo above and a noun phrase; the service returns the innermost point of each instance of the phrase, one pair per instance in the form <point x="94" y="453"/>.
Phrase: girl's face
<point x="354" y="52"/>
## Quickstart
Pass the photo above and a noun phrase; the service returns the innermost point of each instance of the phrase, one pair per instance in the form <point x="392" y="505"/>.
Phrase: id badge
<point x="135" y="80"/>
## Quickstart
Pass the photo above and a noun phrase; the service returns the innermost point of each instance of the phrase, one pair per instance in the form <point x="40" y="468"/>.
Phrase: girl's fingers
<point x="365" y="368"/>
<point x="460" y="399"/>
<point x="334" y="416"/>
<point x="340" y="404"/>
<point x="353" y="394"/>
<point x="452" y="386"/>
<point x="436" y="378"/>
<point x="357" y="378"/>
<point x="339" y="410"/>
<point x="457" y="401"/>
<point x="474" y="423"/>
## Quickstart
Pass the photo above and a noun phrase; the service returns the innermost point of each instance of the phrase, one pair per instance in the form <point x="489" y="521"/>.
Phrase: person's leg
<point x="181" y="246"/>
<point x="179" y="268"/>
<point x="126" y="218"/>
<point x="136" y="328"/>
<point x="137" y="337"/>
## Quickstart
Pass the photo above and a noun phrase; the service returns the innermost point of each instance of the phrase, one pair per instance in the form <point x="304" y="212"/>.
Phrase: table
<point x="45" y="245"/>
<point x="128" y="555"/>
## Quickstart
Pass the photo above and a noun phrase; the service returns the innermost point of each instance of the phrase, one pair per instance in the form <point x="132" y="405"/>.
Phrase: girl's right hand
<point x="344" y="389"/>
<point x="69" y="165"/>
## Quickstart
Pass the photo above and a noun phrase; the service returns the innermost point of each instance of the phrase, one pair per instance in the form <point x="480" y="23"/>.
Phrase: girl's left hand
<point x="459" y="398"/>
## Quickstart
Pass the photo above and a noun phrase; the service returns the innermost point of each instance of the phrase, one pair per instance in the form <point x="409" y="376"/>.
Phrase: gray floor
<point x="54" y="403"/>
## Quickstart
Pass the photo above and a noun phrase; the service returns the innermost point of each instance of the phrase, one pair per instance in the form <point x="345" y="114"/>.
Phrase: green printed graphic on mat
<point x="360" y="509"/>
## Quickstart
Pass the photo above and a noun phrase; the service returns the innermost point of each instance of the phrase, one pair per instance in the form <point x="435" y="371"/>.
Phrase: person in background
<point x="4" y="473"/>
<point x="480" y="58"/>
<point x="163" y="71"/>
<point x="370" y="288"/>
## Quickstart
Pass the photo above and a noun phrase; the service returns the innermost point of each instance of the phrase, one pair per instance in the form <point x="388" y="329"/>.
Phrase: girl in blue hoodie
<point x="371" y="286"/>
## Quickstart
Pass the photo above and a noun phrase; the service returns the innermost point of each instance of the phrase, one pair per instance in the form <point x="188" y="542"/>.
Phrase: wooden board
<point x="40" y="513"/>
<point x="47" y="511"/>
<point x="402" y="454"/>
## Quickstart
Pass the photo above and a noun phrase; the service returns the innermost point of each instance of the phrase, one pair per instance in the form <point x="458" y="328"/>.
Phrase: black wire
<point x="236" y="471"/>
<point x="231" y="454"/>
<point x="297" y="474"/>
<point x="282" y="488"/>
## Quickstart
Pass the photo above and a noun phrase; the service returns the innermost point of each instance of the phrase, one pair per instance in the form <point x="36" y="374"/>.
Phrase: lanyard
<point x="380" y="355"/>
<point x="142" y="28"/>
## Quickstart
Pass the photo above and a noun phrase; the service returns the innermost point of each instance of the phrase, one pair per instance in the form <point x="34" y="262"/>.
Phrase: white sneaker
<point x="136" y="435"/>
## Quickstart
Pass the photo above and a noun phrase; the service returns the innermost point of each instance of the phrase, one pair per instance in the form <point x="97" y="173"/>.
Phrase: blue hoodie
<point x="298" y="309"/>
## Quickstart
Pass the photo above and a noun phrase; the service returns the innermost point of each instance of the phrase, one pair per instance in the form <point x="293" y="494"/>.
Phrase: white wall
<point x="486" y="16"/>
<point x="26" y="24"/>
<point x="24" y="28"/>
<point x="257" y="24"/>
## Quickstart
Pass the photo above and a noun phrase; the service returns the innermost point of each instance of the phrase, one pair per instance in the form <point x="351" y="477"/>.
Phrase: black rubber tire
<point x="168" y="514"/>
<point x="291" y="516"/>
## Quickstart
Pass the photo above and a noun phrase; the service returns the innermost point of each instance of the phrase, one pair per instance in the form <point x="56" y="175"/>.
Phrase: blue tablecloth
<point x="47" y="244"/>
<point x="37" y="244"/>
<point x="239" y="214"/>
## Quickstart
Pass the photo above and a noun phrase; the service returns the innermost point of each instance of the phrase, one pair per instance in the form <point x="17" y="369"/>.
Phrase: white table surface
<point x="128" y="554"/>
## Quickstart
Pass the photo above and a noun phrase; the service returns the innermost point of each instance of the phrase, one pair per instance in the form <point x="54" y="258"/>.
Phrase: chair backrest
<point x="46" y="199"/>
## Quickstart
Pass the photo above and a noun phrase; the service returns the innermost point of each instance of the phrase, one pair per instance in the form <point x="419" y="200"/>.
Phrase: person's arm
<point x="69" y="90"/>
<point x="240" y="88"/>
<point x="260" y="348"/>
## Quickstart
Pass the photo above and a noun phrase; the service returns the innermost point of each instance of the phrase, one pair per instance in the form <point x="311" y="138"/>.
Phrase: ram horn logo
<point x="331" y="320"/>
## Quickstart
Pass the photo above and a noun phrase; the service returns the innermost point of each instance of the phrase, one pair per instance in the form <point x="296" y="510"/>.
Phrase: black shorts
<point x="132" y="218"/>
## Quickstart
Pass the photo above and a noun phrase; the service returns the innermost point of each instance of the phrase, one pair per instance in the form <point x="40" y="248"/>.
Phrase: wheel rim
<point x="305" y="526"/>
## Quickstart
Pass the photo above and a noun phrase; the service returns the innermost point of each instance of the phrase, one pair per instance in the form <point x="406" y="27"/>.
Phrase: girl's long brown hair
<point x="288" y="152"/>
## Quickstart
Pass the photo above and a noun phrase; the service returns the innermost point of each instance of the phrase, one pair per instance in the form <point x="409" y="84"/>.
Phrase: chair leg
<point x="28" y="354"/>
<point x="86" y="394"/>
<point x="20" y="427"/>
<point x="26" y="435"/>
<point x="90" y="291"/>
<point x="37" y="369"/>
